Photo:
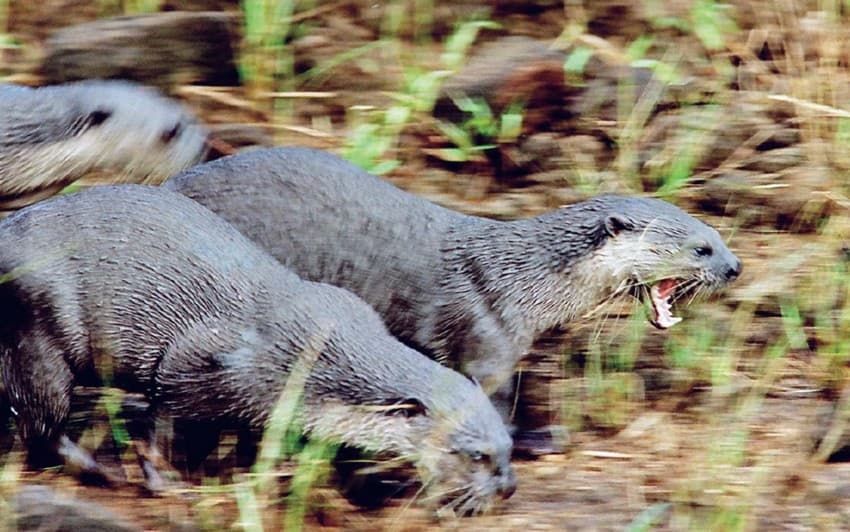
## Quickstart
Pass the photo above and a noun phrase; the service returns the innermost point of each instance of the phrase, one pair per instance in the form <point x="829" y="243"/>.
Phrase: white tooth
<point x="664" y="316"/>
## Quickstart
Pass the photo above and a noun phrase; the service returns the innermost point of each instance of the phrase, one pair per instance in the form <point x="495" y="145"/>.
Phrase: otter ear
<point x="407" y="407"/>
<point x="616" y="224"/>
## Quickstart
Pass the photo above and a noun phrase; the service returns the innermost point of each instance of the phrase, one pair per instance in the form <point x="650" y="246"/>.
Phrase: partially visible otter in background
<point x="470" y="290"/>
<point x="54" y="135"/>
<point x="143" y="289"/>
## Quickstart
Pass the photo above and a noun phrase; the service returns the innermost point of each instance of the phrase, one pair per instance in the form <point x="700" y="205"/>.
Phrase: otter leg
<point x="491" y="358"/>
<point x="142" y="428"/>
<point x="504" y="399"/>
<point x="198" y="400"/>
<point x="528" y="442"/>
<point x="39" y="383"/>
<point x="152" y="462"/>
<point x="198" y="439"/>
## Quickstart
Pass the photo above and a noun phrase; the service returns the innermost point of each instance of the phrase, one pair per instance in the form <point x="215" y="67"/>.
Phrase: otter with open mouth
<point x="467" y="290"/>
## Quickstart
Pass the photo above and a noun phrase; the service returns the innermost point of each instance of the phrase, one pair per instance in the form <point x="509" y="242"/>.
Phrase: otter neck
<point x="541" y="269"/>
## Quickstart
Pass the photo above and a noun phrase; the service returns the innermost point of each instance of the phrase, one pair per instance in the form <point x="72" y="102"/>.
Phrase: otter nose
<point x="733" y="271"/>
<point x="508" y="485"/>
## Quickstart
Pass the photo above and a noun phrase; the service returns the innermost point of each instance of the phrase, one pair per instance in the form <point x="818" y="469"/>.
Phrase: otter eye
<point x="703" y="251"/>
<point x="478" y="456"/>
<point x="171" y="134"/>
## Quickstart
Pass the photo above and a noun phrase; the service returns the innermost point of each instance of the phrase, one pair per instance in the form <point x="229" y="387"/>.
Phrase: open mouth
<point x="661" y="315"/>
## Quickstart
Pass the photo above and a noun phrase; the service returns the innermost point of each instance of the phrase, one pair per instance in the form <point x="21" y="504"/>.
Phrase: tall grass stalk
<point x="280" y="441"/>
<point x="267" y="64"/>
<point x="634" y="115"/>
<point x="313" y="461"/>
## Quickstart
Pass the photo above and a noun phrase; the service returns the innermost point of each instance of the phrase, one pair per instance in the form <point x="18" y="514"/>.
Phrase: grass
<point x="374" y="136"/>
<point x="480" y="133"/>
<point x="267" y="63"/>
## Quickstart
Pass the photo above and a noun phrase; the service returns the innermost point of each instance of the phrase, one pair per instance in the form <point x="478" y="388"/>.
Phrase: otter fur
<point x="142" y="289"/>
<point x="465" y="289"/>
<point x="54" y="135"/>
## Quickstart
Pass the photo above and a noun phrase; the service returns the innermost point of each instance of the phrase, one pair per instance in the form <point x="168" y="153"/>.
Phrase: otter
<point x="467" y="290"/>
<point x="143" y="289"/>
<point x="54" y="135"/>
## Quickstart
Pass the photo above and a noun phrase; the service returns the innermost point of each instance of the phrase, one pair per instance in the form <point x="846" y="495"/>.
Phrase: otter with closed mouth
<point x="54" y="135"/>
<point x="465" y="289"/>
<point x="145" y="290"/>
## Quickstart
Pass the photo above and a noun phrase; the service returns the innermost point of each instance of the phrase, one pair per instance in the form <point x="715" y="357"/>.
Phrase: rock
<point x="162" y="49"/>
<point x="774" y="160"/>
<point x="41" y="508"/>
<point x="795" y="199"/>
<point x="508" y="70"/>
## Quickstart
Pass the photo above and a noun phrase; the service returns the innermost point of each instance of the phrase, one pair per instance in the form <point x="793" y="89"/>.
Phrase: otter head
<point x="658" y="253"/>
<point x="427" y="415"/>
<point x="131" y="130"/>
<point x="465" y="457"/>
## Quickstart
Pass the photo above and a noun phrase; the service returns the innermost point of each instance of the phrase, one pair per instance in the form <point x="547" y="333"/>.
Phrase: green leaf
<point x="577" y="60"/>
<point x="511" y="126"/>
<point x="458" y="43"/>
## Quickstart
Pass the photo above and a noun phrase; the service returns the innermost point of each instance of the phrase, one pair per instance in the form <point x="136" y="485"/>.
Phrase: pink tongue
<point x="665" y="287"/>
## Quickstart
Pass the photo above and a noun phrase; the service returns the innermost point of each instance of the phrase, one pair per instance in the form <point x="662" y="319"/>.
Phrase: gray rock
<point x="162" y="49"/>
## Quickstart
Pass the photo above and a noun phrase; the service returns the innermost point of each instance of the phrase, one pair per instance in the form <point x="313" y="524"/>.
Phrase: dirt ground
<point x="713" y="425"/>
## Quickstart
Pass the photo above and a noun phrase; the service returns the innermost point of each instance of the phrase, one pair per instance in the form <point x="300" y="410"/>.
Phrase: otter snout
<point x="507" y="482"/>
<point x="734" y="270"/>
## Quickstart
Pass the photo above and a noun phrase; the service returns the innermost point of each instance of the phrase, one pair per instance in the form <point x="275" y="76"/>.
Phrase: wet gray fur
<point x="146" y="289"/>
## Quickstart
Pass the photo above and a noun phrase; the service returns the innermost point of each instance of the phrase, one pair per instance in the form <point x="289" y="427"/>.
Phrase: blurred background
<point x="735" y="111"/>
